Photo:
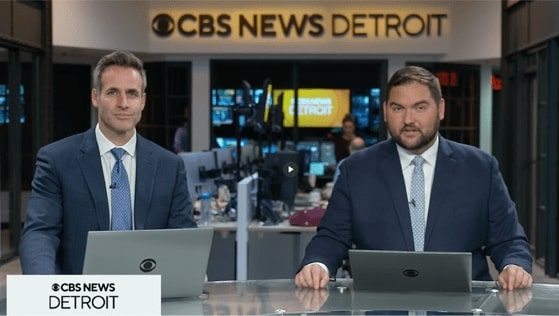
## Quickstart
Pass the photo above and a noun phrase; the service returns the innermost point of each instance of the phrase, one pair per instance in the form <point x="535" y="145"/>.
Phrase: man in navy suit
<point x="467" y="205"/>
<point x="71" y="189"/>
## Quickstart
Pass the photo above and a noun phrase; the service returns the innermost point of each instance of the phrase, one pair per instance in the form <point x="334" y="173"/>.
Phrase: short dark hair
<point x="349" y="118"/>
<point x="118" y="58"/>
<point x="417" y="74"/>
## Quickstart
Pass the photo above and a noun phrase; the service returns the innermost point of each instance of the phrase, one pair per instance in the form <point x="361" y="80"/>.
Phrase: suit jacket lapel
<point x="442" y="183"/>
<point x="93" y="175"/>
<point x="392" y="172"/>
<point x="145" y="176"/>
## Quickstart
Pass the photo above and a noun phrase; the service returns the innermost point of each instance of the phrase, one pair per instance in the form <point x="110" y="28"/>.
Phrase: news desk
<point x="273" y="252"/>
<point x="281" y="297"/>
<point x="250" y="250"/>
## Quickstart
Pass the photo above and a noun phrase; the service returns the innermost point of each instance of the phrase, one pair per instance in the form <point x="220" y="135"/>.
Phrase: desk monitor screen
<point x="316" y="168"/>
<point x="282" y="187"/>
<point x="311" y="146"/>
<point x="222" y="115"/>
<point x="226" y="161"/>
<point x="223" y="97"/>
<point x="225" y="142"/>
<point x="194" y="162"/>
<point x="269" y="149"/>
<point x="328" y="153"/>
<point x="381" y="271"/>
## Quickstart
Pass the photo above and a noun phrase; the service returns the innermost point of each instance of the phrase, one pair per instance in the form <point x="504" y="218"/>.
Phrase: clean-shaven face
<point x="120" y="102"/>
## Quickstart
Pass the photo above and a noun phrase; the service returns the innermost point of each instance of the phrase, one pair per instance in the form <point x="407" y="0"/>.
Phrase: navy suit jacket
<point x="69" y="198"/>
<point x="470" y="210"/>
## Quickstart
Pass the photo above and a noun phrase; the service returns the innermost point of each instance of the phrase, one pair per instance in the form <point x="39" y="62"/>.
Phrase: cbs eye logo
<point x="55" y="287"/>
<point x="163" y="25"/>
<point x="148" y="265"/>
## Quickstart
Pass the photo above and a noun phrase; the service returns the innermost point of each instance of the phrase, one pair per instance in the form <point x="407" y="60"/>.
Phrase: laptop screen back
<point x="374" y="270"/>
<point x="180" y="256"/>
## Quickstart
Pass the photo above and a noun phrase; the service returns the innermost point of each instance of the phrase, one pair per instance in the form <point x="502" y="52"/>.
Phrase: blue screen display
<point x="225" y="142"/>
<point x="222" y="115"/>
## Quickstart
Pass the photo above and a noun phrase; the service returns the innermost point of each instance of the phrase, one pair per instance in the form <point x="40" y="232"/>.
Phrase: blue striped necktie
<point x="120" y="194"/>
<point x="417" y="204"/>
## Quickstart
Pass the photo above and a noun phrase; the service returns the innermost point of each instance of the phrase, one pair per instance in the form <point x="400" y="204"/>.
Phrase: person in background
<point x="181" y="141"/>
<point x="355" y="145"/>
<point x="73" y="182"/>
<point x="341" y="143"/>
<point x="465" y="207"/>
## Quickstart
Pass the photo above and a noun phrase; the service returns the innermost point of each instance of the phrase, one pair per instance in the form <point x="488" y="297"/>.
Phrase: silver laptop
<point x="376" y="270"/>
<point x="180" y="256"/>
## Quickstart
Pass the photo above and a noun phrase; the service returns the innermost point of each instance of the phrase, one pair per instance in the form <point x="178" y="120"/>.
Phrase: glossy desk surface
<point x="260" y="297"/>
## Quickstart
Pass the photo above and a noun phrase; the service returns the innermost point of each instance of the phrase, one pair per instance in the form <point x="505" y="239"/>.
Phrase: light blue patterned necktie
<point x="120" y="194"/>
<point x="417" y="203"/>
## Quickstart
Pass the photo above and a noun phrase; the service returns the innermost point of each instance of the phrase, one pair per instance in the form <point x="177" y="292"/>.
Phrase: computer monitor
<point x="328" y="153"/>
<point x="201" y="170"/>
<point x="312" y="146"/>
<point x="225" y="161"/>
<point x="223" y="97"/>
<point x="361" y="110"/>
<point x="225" y="142"/>
<point x="289" y="145"/>
<point x="4" y="106"/>
<point x="278" y="185"/>
<point x="222" y="115"/>
<point x="317" y="168"/>
<point x="269" y="149"/>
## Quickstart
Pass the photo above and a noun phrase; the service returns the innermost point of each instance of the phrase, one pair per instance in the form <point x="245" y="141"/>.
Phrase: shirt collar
<point x="105" y="145"/>
<point x="430" y="155"/>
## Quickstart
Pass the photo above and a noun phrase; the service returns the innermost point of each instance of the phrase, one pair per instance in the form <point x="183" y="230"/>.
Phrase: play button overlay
<point x="290" y="169"/>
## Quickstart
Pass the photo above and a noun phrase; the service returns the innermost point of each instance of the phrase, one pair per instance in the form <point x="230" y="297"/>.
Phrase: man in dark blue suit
<point x="71" y="189"/>
<point x="467" y="205"/>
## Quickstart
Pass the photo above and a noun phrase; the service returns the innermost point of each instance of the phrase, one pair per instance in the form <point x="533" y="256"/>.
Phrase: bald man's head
<point x="356" y="144"/>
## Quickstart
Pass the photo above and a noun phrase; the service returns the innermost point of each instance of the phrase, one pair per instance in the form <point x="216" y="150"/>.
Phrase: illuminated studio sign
<point x="295" y="26"/>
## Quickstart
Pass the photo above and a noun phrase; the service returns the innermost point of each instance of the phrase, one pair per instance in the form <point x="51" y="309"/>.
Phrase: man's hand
<point x="514" y="277"/>
<point x="313" y="276"/>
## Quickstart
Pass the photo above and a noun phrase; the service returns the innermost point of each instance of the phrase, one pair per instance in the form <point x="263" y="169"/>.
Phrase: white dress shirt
<point x="406" y="160"/>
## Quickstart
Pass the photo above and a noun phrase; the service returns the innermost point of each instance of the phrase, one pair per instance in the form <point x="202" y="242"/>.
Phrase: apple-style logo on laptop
<point x="148" y="265"/>
<point x="410" y="273"/>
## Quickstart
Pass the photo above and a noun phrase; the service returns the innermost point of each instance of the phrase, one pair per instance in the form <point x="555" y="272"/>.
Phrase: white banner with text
<point x="83" y="295"/>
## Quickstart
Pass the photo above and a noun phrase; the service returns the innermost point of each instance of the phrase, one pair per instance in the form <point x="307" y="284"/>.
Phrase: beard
<point x="419" y="144"/>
